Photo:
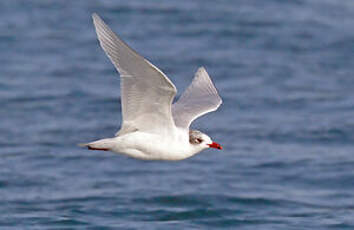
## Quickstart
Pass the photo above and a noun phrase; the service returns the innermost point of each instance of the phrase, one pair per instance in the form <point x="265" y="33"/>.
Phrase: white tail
<point x="103" y="144"/>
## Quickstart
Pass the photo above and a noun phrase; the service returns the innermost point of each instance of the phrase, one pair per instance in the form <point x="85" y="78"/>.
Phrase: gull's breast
<point x="148" y="146"/>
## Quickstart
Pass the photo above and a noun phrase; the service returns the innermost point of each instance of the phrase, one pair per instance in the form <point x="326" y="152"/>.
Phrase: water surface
<point x="283" y="68"/>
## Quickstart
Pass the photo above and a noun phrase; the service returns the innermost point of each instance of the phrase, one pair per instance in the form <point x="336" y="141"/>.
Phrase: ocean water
<point x="284" y="68"/>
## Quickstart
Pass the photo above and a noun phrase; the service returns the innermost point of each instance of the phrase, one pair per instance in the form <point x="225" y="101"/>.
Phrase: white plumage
<point x="153" y="128"/>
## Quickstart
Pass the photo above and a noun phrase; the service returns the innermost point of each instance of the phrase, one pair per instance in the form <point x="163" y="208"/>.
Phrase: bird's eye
<point x="199" y="140"/>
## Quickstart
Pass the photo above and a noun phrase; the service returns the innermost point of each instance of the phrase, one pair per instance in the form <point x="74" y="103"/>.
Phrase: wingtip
<point x="202" y="73"/>
<point x="201" y="68"/>
<point x="96" y="18"/>
<point x="95" y="15"/>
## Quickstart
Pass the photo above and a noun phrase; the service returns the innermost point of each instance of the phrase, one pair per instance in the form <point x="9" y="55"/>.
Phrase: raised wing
<point x="146" y="92"/>
<point x="199" y="98"/>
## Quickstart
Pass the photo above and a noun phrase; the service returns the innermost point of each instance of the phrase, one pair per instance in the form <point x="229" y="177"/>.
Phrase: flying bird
<point x="153" y="128"/>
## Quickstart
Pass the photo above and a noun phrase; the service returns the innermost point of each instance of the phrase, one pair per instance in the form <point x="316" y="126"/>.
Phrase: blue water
<point x="284" y="68"/>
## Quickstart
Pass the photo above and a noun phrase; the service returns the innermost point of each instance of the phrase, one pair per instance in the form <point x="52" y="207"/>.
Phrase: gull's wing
<point x="146" y="92"/>
<point x="198" y="99"/>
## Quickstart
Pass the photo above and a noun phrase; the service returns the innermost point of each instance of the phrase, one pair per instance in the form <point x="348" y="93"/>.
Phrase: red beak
<point x="215" y="145"/>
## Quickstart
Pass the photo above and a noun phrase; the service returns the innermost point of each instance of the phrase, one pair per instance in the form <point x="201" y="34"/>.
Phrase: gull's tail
<point x="103" y="144"/>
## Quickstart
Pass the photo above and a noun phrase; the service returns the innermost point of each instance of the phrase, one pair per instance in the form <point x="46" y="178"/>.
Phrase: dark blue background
<point x="284" y="68"/>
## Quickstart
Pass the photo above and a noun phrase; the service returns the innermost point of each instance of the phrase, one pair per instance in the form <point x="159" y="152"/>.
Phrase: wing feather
<point x="146" y="92"/>
<point x="199" y="98"/>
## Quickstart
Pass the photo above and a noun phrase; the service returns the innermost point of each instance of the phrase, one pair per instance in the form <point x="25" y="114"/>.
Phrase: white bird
<point x="153" y="128"/>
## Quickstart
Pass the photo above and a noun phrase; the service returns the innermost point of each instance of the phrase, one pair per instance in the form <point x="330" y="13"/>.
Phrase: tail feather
<point x="103" y="144"/>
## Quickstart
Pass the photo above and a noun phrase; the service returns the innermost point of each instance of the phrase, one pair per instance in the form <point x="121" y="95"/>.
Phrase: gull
<point x="152" y="127"/>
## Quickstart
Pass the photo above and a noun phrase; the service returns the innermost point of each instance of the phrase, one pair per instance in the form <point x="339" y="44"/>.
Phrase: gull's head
<point x="202" y="141"/>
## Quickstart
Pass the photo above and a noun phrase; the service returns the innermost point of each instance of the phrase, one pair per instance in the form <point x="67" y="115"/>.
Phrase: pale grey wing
<point x="146" y="92"/>
<point x="199" y="98"/>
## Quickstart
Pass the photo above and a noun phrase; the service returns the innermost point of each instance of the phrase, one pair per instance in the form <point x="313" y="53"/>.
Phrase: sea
<point x="285" y="72"/>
